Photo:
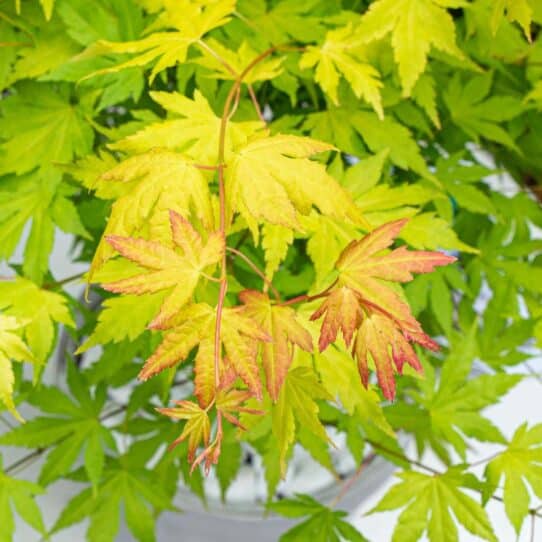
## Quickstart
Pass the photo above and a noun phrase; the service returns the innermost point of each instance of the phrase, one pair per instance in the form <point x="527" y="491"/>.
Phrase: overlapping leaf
<point x="287" y="182"/>
<point x="169" y="269"/>
<point x="285" y="331"/>
<point x="39" y="308"/>
<point x="191" y="127"/>
<point x="155" y="183"/>
<point x="12" y="348"/>
<point x="362" y="302"/>
<point x="196" y="327"/>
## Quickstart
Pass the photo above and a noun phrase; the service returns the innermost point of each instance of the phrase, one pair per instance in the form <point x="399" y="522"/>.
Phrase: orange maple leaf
<point x="362" y="304"/>
<point x="285" y="331"/>
<point x="177" y="268"/>
<point x="196" y="327"/>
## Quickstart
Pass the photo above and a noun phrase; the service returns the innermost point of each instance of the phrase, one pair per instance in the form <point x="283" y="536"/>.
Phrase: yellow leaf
<point x="191" y="127"/>
<point x="341" y="53"/>
<point x="191" y="19"/>
<point x="272" y="178"/>
<point x="516" y="10"/>
<point x="415" y="26"/>
<point x="275" y="242"/>
<point x="156" y="182"/>
<point x="11" y="348"/>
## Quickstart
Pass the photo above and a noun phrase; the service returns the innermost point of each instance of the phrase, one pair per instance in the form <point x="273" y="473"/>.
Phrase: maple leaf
<point x="281" y="325"/>
<point x="287" y="182"/>
<point x="296" y="405"/>
<point x="11" y="348"/>
<point x="191" y="19"/>
<point x="196" y="327"/>
<point x="478" y="116"/>
<point x="521" y="462"/>
<point x="19" y="495"/>
<point x="197" y="428"/>
<point x="154" y="183"/>
<point x="429" y="501"/>
<point x="341" y="54"/>
<point x="415" y="25"/>
<point x="39" y="309"/>
<point x="168" y="268"/>
<point x="362" y="302"/>
<point x="191" y="127"/>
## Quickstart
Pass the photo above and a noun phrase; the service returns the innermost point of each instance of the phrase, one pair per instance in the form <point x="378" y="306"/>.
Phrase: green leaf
<point x="296" y="406"/>
<point x="21" y="494"/>
<point x="429" y="499"/>
<point x="40" y="125"/>
<point x="322" y="525"/>
<point x="520" y="464"/>
<point x="40" y="308"/>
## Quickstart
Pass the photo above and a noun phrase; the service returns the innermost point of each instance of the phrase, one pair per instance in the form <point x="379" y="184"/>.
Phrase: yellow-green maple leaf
<point x="176" y="269"/>
<point x="37" y="307"/>
<point x="11" y="348"/>
<point x="342" y="54"/>
<point x="191" y="19"/>
<point x="272" y="178"/>
<point x="275" y="242"/>
<point x="191" y="126"/>
<point x="296" y="405"/>
<point x="415" y="26"/>
<point x="156" y="182"/>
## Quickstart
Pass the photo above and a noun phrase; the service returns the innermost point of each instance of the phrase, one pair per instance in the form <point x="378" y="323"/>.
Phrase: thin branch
<point x="484" y="460"/>
<point x="532" y="511"/>
<point x="254" y="267"/>
<point x="255" y="103"/>
<point x="533" y="527"/>
<point x="226" y="114"/>
<point x="347" y="484"/>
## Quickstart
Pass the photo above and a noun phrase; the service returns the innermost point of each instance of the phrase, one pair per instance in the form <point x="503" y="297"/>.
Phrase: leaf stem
<point x="306" y="298"/>
<point x="254" y="267"/>
<point x="226" y="114"/>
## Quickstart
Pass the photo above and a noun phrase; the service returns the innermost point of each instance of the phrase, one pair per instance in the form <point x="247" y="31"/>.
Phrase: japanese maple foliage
<point x="288" y="235"/>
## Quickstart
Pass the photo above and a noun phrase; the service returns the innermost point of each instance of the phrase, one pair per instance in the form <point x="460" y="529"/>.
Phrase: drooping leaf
<point x="285" y="331"/>
<point x="296" y="406"/>
<point x="196" y="327"/>
<point x="362" y="302"/>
